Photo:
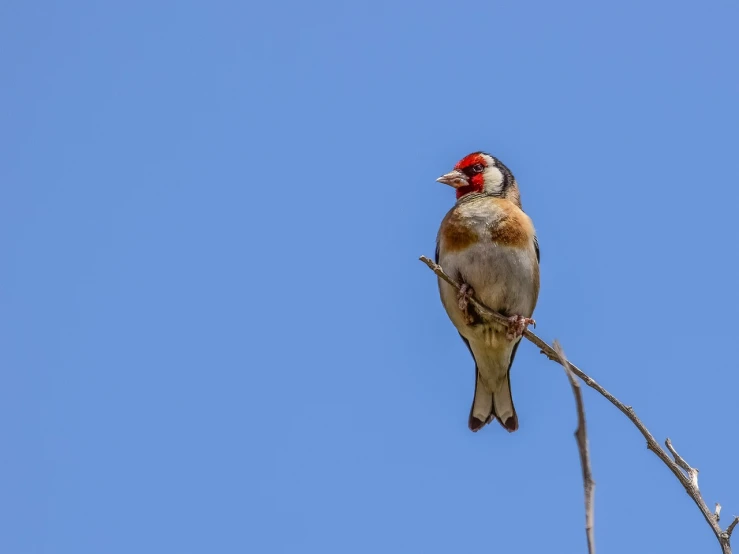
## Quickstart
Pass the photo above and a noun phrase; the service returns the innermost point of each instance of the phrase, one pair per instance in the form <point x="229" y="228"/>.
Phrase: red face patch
<point x="470" y="160"/>
<point x="476" y="180"/>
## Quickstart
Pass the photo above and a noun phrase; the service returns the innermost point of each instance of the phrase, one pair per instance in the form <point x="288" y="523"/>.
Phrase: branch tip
<point x="691" y="471"/>
<point x="581" y="436"/>
<point x="730" y="528"/>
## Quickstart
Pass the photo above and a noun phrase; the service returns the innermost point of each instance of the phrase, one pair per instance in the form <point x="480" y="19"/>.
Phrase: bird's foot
<point x="463" y="301"/>
<point x="517" y="325"/>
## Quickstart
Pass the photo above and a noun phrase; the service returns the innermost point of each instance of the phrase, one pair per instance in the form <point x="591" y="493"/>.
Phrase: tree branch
<point x="688" y="478"/>
<point x="581" y="436"/>
<point x="691" y="471"/>
<point x="730" y="528"/>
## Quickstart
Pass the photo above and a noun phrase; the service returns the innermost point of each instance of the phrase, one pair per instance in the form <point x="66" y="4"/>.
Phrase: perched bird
<point x="488" y="244"/>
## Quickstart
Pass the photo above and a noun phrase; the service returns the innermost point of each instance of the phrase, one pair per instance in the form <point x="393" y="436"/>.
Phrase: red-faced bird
<point x="488" y="244"/>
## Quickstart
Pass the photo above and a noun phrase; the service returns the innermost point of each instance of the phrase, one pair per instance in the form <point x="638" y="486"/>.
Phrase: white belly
<point x="503" y="278"/>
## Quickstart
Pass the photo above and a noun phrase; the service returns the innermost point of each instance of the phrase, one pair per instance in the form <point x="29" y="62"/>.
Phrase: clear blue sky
<point x="216" y="335"/>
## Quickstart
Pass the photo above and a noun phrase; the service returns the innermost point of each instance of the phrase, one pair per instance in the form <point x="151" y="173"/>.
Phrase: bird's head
<point x="482" y="173"/>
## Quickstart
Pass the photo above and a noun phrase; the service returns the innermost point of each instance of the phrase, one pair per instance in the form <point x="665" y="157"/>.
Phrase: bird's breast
<point x="490" y="246"/>
<point x="504" y="278"/>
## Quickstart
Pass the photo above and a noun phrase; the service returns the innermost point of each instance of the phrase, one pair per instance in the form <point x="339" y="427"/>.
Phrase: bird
<point x="489" y="245"/>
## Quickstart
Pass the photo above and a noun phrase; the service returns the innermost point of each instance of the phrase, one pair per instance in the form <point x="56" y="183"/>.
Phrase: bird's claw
<point x="517" y="325"/>
<point x="463" y="296"/>
<point x="463" y="301"/>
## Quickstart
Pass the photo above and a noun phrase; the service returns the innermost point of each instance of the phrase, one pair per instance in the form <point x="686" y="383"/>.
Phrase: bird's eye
<point x="478" y="168"/>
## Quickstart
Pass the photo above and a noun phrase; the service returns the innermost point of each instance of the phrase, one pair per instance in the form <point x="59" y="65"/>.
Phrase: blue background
<point x="216" y="335"/>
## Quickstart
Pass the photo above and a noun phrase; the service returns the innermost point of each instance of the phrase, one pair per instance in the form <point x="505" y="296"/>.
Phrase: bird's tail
<point x="487" y="405"/>
<point x="482" y="411"/>
<point x="503" y="405"/>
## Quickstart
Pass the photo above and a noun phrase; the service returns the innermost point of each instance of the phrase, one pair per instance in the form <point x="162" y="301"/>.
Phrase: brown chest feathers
<point x="494" y="219"/>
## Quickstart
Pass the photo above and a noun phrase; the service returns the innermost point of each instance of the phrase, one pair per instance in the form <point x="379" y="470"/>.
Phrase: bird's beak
<point x="454" y="179"/>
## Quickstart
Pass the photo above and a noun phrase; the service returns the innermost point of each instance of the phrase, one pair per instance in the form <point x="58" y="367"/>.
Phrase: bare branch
<point x="691" y="471"/>
<point x="689" y="482"/>
<point x="581" y="436"/>
<point x="730" y="528"/>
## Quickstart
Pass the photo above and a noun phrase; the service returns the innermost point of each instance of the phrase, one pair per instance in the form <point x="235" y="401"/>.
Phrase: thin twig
<point x="581" y="436"/>
<point x="691" y="471"/>
<point x="730" y="528"/>
<point x="686" y="481"/>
